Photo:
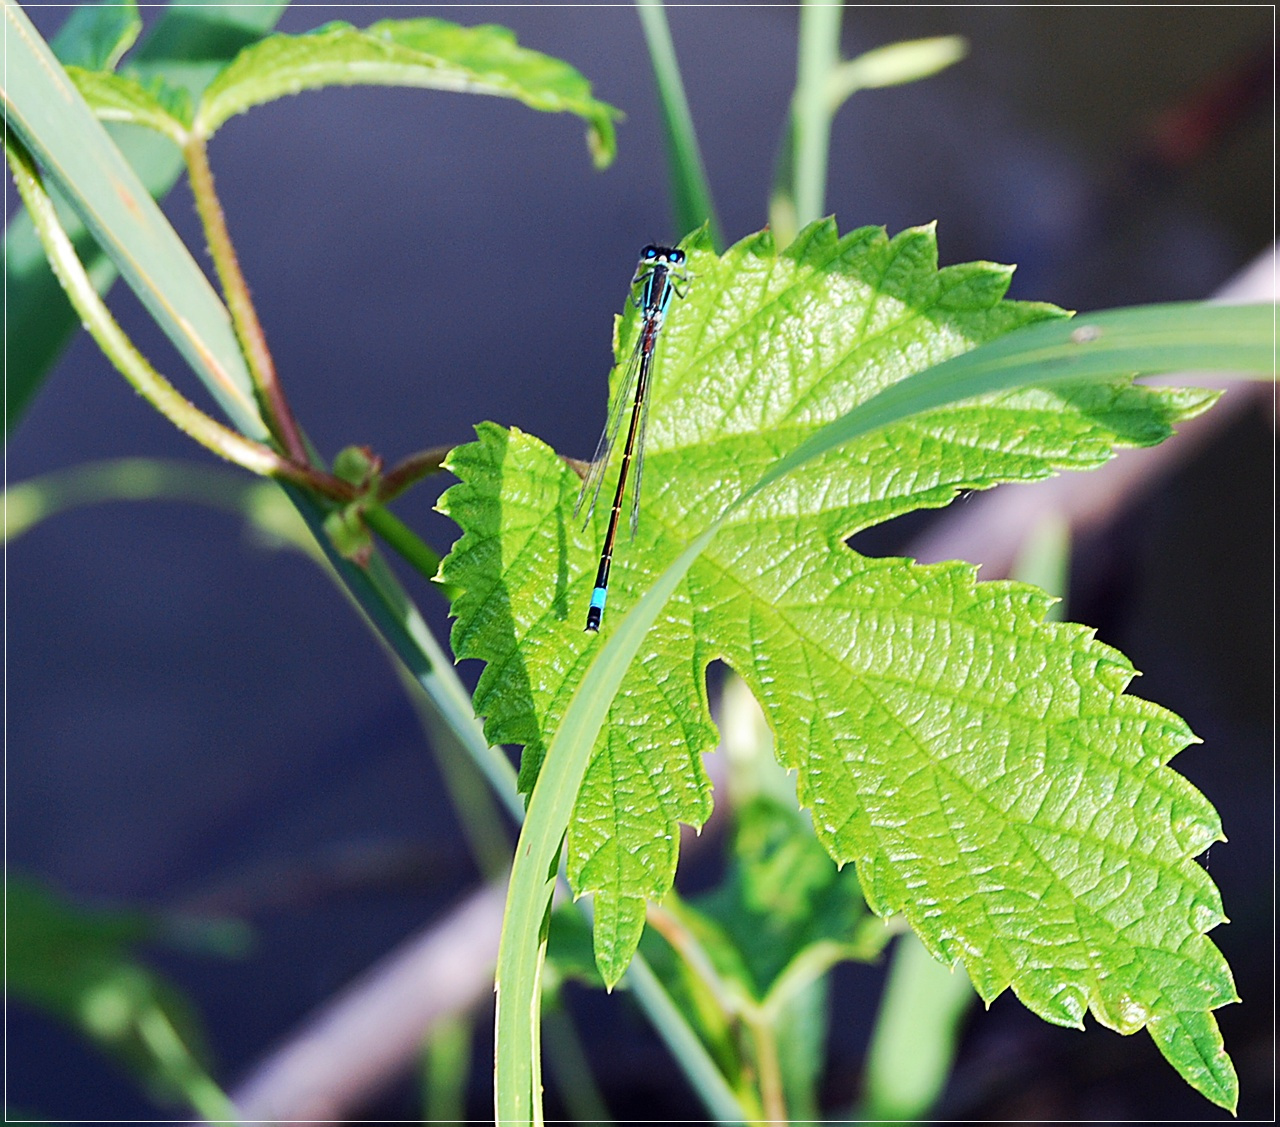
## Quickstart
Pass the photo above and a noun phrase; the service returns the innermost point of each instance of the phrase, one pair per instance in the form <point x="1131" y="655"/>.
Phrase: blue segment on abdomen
<point x="598" y="597"/>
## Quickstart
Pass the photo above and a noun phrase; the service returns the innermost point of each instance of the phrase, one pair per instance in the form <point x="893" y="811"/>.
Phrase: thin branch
<point x="411" y="470"/>
<point x="236" y="290"/>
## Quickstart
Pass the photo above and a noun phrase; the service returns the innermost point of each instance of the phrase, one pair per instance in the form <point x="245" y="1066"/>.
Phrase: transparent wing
<point x="590" y="491"/>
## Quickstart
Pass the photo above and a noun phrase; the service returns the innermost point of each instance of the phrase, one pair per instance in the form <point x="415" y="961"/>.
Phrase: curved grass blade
<point x="186" y="48"/>
<point x="690" y="189"/>
<point x="48" y="113"/>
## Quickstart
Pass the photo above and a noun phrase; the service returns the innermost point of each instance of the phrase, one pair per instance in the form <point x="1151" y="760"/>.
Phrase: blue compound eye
<point x="649" y="253"/>
<point x="677" y="258"/>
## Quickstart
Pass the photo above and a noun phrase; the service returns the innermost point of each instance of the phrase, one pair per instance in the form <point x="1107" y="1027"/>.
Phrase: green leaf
<point x="79" y="160"/>
<point x="1192" y="1044"/>
<point x="781" y="898"/>
<point x="895" y="64"/>
<point x="95" y="36"/>
<point x="691" y="197"/>
<point x="115" y="97"/>
<point x="186" y="46"/>
<point x="984" y="769"/>
<point x="78" y="965"/>
<point x="421" y="52"/>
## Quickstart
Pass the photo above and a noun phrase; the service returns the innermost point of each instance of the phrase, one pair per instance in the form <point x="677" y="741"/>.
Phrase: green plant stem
<point x="721" y="1102"/>
<point x="236" y="290"/>
<point x="913" y="1043"/>
<point x="205" y="1096"/>
<point x="404" y="540"/>
<point x="760" y="1020"/>
<point x="811" y="106"/>
<point x="690" y="189"/>
<point x="568" y="1062"/>
<point x="773" y="1098"/>
<point x="188" y="52"/>
<point x="667" y="922"/>
<point x="226" y="443"/>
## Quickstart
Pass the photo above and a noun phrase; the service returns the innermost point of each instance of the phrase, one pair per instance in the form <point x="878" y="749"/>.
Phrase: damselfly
<point x="659" y="276"/>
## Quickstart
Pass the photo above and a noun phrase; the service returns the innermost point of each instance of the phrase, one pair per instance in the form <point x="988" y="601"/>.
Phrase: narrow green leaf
<point x="421" y="52"/>
<point x="915" y="1036"/>
<point x="985" y="770"/>
<point x="57" y="126"/>
<point x="96" y="36"/>
<point x="27" y="503"/>
<point x="1044" y="560"/>
<point x="690" y="190"/>
<point x="186" y="47"/>
<point x="114" y="97"/>
<point x="895" y="64"/>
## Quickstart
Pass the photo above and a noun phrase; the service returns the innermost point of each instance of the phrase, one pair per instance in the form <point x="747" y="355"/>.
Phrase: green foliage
<point x="894" y="64"/>
<point x="426" y="53"/>
<point x="781" y="899"/>
<point x="417" y="52"/>
<point x="984" y="769"/>
<point x="95" y="36"/>
<point x="184" y="48"/>
<point x="79" y="965"/>
<point x="762" y="942"/>
<point x="119" y="98"/>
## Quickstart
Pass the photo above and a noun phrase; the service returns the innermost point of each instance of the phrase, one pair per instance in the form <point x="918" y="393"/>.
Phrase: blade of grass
<point x="58" y="128"/>
<point x="29" y="502"/>
<point x="187" y="48"/>
<point x="1144" y="340"/>
<point x="690" y="190"/>
<point x="915" y="1035"/>
<point x="819" y="54"/>
<point x="1045" y="561"/>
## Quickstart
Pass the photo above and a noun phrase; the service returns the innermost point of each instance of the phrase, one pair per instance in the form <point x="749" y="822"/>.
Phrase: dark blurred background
<point x="189" y="712"/>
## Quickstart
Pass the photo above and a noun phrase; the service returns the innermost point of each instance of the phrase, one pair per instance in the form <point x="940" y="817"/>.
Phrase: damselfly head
<point x="661" y="256"/>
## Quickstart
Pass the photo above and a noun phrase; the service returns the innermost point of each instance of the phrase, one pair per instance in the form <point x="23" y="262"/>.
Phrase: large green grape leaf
<point x="984" y="769"/>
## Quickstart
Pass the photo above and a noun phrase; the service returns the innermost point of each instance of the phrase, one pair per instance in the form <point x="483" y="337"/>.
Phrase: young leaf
<point x="421" y="52"/>
<point x="984" y="769"/>
<point x="781" y="899"/>
<point x="116" y="97"/>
